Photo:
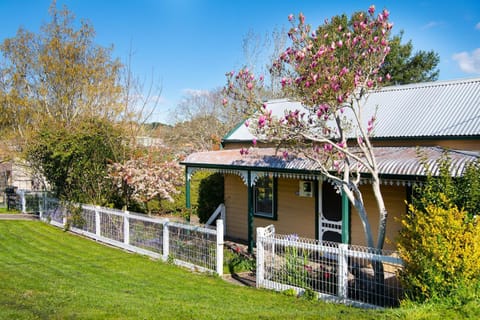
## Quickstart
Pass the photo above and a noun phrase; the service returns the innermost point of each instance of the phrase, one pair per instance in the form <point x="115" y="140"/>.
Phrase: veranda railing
<point x="336" y="272"/>
<point x="191" y="246"/>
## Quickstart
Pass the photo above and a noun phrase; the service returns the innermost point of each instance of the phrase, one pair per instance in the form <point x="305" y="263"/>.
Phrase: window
<point x="264" y="198"/>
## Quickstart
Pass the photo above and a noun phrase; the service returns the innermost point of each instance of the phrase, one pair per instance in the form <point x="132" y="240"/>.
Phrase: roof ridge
<point x="420" y="85"/>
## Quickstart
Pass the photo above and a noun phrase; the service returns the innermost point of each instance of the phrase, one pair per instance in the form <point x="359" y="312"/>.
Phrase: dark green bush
<point x="210" y="195"/>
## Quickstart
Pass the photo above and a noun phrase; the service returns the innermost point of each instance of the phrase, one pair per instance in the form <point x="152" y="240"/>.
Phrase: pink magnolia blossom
<point x="343" y="71"/>
<point x="290" y="17"/>
<point x="385" y="13"/>
<point x="249" y="86"/>
<point x="244" y="152"/>
<point x="261" y="121"/>
<point x="336" y="165"/>
<point x="371" y="9"/>
<point x="301" y="17"/>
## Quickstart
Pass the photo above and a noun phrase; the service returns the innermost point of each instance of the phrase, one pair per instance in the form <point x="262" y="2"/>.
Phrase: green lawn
<point x="3" y="210"/>
<point x="46" y="273"/>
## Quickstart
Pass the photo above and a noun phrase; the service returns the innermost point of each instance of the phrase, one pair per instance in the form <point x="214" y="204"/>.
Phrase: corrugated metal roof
<point x="403" y="161"/>
<point x="433" y="109"/>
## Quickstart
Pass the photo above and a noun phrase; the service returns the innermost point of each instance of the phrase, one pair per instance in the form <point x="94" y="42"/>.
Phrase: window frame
<point x="265" y="215"/>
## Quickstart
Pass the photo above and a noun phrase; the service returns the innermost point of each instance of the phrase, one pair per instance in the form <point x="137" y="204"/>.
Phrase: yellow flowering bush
<point x="441" y="250"/>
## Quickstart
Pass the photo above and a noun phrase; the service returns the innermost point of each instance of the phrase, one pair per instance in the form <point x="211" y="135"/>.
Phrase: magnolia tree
<point x="331" y="71"/>
<point x="143" y="179"/>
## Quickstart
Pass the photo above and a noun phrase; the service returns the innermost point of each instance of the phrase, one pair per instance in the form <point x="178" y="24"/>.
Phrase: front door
<point x="330" y="213"/>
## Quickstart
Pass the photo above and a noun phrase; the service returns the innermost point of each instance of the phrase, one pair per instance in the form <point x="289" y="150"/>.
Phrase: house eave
<point x="403" y="163"/>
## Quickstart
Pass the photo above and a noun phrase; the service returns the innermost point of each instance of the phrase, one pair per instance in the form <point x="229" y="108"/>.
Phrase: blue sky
<point x="189" y="44"/>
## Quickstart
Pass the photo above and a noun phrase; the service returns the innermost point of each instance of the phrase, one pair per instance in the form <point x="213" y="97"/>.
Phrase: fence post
<point x="126" y="228"/>
<point x="97" y="222"/>
<point x="260" y="257"/>
<point x="342" y="271"/>
<point x="41" y="205"/>
<point x="223" y="217"/>
<point x="23" y="201"/>
<point x="165" y="241"/>
<point x="220" y="247"/>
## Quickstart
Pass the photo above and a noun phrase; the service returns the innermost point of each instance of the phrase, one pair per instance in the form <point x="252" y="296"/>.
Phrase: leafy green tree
<point x="402" y="66"/>
<point x="74" y="159"/>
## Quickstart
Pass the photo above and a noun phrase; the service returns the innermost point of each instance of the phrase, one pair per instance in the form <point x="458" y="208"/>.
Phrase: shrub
<point x="440" y="237"/>
<point x="237" y="262"/>
<point x="441" y="251"/>
<point x="290" y="292"/>
<point x="210" y="195"/>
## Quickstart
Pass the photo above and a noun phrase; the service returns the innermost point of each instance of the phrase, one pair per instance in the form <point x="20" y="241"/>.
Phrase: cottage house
<point x="264" y="188"/>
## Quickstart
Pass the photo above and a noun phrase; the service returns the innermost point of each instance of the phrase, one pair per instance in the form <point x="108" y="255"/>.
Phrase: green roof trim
<point x="296" y="171"/>
<point x="232" y="131"/>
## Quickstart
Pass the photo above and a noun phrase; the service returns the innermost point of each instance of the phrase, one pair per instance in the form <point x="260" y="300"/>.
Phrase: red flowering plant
<point x="331" y="71"/>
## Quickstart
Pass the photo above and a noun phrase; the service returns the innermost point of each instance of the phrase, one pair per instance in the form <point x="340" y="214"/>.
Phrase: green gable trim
<point x="232" y="131"/>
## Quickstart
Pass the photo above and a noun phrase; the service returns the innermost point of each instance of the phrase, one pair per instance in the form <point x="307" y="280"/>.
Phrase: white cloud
<point x="469" y="62"/>
<point x="431" y="24"/>
<point x="477" y="26"/>
<point x="158" y="99"/>
<point x="196" y="92"/>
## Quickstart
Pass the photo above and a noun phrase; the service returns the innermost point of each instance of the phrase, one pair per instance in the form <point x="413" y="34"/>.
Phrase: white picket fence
<point x="342" y="273"/>
<point x="194" y="247"/>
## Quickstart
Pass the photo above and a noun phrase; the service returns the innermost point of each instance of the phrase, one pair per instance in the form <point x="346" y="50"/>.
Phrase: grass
<point x="3" y="210"/>
<point x="46" y="273"/>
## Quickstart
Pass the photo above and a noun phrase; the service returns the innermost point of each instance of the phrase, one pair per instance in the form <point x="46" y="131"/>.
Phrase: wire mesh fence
<point x="112" y="224"/>
<point x="51" y="210"/>
<point x="339" y="272"/>
<point x="28" y="201"/>
<point x="195" y="247"/>
<point x="146" y="234"/>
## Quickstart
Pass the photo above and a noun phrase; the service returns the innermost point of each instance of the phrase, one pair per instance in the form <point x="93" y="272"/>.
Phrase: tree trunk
<point x="382" y="211"/>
